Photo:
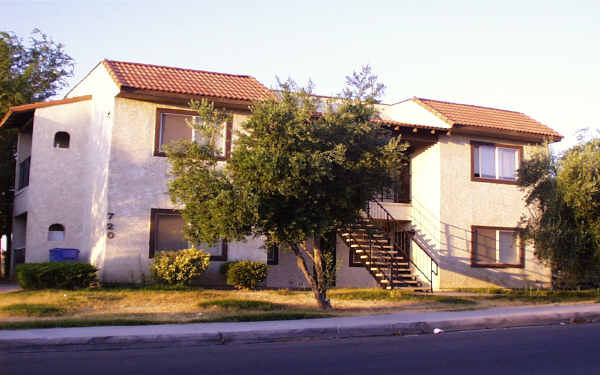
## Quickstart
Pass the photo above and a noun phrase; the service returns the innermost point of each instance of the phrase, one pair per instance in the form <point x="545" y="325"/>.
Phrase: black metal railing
<point x="381" y="217"/>
<point x="370" y="252"/>
<point x="24" y="173"/>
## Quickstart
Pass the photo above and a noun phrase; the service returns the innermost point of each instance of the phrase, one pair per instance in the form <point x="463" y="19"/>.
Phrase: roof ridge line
<point x="178" y="68"/>
<point x="470" y="105"/>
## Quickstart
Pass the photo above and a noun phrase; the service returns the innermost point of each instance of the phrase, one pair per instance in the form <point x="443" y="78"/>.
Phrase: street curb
<point x="244" y="336"/>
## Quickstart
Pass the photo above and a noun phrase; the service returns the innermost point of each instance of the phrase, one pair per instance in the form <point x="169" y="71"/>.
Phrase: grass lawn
<point x="151" y="305"/>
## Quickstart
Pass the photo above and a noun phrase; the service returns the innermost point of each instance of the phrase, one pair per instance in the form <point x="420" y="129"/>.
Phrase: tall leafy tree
<point x="301" y="168"/>
<point x="564" y="194"/>
<point x="29" y="73"/>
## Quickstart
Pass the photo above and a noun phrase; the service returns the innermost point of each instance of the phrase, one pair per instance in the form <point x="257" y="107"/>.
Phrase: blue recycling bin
<point x="64" y="255"/>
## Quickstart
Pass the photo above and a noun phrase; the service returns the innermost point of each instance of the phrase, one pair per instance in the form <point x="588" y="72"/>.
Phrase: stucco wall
<point x="465" y="203"/>
<point x="100" y="85"/>
<point x="57" y="192"/>
<point x="286" y="274"/>
<point x="350" y="277"/>
<point x="446" y="203"/>
<point x="137" y="183"/>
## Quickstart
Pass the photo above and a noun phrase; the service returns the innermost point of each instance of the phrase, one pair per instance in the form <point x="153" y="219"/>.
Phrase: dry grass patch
<point x="241" y="304"/>
<point x="153" y="305"/>
<point x="33" y="309"/>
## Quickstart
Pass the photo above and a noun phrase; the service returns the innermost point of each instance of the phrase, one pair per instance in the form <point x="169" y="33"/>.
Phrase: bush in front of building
<point x="246" y="274"/>
<point x="56" y="275"/>
<point x="225" y="268"/>
<point x="179" y="267"/>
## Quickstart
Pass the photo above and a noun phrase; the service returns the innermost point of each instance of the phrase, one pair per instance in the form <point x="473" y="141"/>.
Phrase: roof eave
<point x="10" y="119"/>
<point x="506" y="133"/>
<point x="166" y="97"/>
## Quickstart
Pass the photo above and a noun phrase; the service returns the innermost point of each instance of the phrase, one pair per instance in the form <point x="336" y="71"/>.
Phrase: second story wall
<point x="137" y="183"/>
<point x="58" y="190"/>
<point x="468" y="202"/>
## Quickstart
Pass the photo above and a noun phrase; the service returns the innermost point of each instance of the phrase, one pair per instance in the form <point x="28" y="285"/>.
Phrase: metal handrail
<point x="390" y="219"/>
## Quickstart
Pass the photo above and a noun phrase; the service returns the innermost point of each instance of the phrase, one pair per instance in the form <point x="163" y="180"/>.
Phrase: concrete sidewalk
<point x="92" y="338"/>
<point x="6" y="287"/>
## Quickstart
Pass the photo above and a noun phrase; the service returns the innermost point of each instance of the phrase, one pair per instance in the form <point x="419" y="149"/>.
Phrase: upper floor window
<point x="24" y="168"/>
<point x="61" y="140"/>
<point x="166" y="233"/>
<point x="495" y="163"/>
<point x="496" y="247"/>
<point x="173" y="125"/>
<point x="56" y="232"/>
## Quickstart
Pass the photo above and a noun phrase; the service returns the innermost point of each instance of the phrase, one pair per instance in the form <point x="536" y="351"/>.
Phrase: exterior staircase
<point x="386" y="260"/>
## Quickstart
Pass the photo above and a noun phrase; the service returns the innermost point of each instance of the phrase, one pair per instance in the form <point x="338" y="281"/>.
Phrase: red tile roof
<point x="186" y="81"/>
<point x="16" y="113"/>
<point x="485" y="117"/>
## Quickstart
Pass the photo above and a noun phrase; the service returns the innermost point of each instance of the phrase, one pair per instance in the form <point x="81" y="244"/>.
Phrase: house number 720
<point x="110" y="226"/>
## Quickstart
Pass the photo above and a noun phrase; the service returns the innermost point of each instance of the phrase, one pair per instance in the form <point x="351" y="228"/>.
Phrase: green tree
<point x="301" y="168"/>
<point x="28" y="73"/>
<point x="564" y="194"/>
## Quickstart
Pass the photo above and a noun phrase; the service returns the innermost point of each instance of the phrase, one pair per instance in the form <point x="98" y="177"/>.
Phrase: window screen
<point x="169" y="232"/>
<point x="487" y="161"/>
<point x="508" y="247"/>
<point x="507" y="163"/>
<point x="485" y="246"/>
<point x="496" y="248"/>
<point x="173" y="128"/>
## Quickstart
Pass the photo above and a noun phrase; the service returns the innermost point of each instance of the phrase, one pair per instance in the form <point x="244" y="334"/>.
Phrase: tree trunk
<point x="317" y="278"/>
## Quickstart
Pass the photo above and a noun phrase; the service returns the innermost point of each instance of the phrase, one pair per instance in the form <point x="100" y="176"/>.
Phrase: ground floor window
<point x="496" y="247"/>
<point x="166" y="233"/>
<point x="272" y="254"/>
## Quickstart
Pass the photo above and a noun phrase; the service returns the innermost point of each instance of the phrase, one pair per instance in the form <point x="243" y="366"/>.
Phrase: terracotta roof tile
<point x="472" y="115"/>
<point x="186" y="81"/>
<point x="16" y="113"/>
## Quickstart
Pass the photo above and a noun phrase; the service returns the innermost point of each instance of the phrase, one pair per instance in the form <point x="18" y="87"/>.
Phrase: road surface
<point x="572" y="349"/>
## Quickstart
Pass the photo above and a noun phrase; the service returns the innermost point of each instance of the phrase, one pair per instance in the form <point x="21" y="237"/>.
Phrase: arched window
<point x="56" y="232"/>
<point x="61" y="140"/>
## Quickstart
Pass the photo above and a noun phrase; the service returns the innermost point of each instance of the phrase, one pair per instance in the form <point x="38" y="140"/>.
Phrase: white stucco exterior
<point x="109" y="175"/>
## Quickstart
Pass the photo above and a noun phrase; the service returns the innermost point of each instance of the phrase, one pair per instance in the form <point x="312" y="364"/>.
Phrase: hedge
<point x="246" y="274"/>
<point x="56" y="275"/>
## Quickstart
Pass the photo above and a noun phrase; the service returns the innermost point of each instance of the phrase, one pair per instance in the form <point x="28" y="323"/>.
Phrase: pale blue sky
<point x="538" y="57"/>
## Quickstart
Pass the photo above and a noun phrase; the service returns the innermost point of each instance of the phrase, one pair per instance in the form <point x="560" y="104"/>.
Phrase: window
<point x="173" y="125"/>
<point x="24" y="167"/>
<point x="272" y="254"/>
<point x="497" y="247"/>
<point x="166" y="233"/>
<point x="56" y="232"/>
<point x="495" y="163"/>
<point x="61" y="140"/>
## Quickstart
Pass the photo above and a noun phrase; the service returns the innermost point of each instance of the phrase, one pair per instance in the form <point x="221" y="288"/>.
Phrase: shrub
<point x="246" y="274"/>
<point x="67" y="275"/>
<point x="179" y="267"/>
<point x="225" y="268"/>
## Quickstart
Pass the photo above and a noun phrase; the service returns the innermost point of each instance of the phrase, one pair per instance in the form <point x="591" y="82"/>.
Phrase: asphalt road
<point x="572" y="349"/>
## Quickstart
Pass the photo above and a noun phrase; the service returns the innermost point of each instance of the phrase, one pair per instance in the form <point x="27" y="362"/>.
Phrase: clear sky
<point x="537" y="57"/>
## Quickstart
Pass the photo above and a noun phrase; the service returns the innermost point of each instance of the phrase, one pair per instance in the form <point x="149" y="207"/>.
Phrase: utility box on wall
<point x="64" y="255"/>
